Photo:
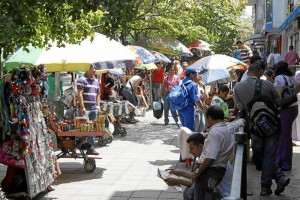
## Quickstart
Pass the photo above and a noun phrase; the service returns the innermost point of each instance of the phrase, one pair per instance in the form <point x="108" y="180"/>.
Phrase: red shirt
<point x="158" y="76"/>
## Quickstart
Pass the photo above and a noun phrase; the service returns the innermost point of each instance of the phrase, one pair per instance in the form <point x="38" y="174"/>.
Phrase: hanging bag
<point x="288" y="95"/>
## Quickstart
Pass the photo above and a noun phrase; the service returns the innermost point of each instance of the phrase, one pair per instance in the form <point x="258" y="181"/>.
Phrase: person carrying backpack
<point x="264" y="144"/>
<point x="185" y="97"/>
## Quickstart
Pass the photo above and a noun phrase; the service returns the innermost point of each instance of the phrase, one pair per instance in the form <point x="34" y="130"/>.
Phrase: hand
<point x="194" y="176"/>
<point x="172" y="181"/>
<point x="175" y="172"/>
<point x="82" y="111"/>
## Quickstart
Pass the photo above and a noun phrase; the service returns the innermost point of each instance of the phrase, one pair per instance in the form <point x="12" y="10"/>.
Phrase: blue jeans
<point x="156" y="88"/>
<point x="92" y="114"/>
<point x="167" y="108"/>
<point x="188" y="193"/>
<point x="187" y="117"/>
<point x="267" y="149"/>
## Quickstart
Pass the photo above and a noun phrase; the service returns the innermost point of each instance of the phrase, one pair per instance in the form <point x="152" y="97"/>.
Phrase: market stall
<point x="28" y="147"/>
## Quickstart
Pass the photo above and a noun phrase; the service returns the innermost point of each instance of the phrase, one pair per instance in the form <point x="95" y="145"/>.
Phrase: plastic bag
<point x="158" y="109"/>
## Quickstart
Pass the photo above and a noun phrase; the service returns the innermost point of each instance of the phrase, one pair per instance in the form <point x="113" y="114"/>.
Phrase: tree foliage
<point x="69" y="21"/>
<point x="38" y="21"/>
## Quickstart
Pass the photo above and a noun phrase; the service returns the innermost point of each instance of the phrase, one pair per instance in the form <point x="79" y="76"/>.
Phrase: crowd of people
<point x="210" y="110"/>
<point x="220" y="104"/>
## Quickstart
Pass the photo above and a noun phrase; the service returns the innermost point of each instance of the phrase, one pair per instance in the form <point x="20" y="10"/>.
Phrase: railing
<point x="239" y="179"/>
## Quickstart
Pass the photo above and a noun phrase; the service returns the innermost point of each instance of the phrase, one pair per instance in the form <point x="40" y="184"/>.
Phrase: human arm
<point x="179" y="181"/>
<point x="205" y="164"/>
<point x="163" y="87"/>
<point x="81" y="104"/>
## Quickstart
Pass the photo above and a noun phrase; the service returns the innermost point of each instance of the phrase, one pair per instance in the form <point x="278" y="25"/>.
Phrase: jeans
<point x="207" y="181"/>
<point x="199" y="121"/>
<point x="156" y="88"/>
<point x="91" y="115"/>
<point x="188" y="193"/>
<point x="167" y="108"/>
<point x="264" y="151"/>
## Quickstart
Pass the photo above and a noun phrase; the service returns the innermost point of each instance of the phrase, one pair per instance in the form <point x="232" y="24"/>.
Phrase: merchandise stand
<point x="30" y="146"/>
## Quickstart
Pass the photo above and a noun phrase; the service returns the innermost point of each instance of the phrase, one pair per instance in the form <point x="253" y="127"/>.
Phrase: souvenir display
<point x="31" y="144"/>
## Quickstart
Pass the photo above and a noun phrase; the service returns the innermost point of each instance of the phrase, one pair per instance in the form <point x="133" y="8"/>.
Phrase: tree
<point x="40" y="21"/>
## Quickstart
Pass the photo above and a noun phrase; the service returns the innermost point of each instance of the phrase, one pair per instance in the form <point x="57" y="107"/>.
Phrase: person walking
<point x="283" y="78"/>
<point x="170" y="81"/>
<point x="264" y="148"/>
<point x="245" y="51"/>
<point x="157" y="81"/>
<point x="291" y="57"/>
<point x="187" y="114"/>
<point x="273" y="58"/>
<point x="88" y="90"/>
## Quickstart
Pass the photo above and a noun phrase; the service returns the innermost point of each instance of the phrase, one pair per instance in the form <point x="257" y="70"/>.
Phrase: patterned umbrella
<point x="144" y="56"/>
<point x="161" y="57"/>
<point x="102" y="52"/>
<point x="165" y="45"/>
<point x="200" y="45"/>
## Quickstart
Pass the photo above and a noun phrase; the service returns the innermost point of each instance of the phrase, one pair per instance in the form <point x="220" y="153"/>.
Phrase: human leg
<point x="257" y="145"/>
<point x="127" y="93"/>
<point x="285" y="146"/>
<point x="166" y="108"/>
<point x="188" y="117"/>
<point x="269" y="166"/>
<point x="188" y="193"/>
<point x="206" y="182"/>
<point x="156" y="87"/>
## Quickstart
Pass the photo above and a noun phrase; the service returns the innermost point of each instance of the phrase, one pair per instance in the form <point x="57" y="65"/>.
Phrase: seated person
<point x="220" y="101"/>
<point x="196" y="142"/>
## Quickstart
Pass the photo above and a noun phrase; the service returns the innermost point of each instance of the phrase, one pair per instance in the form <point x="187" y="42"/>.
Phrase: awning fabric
<point x="253" y="37"/>
<point x="290" y="19"/>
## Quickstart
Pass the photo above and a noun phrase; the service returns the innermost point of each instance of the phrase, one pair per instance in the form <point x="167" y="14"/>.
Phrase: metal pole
<point x="239" y="179"/>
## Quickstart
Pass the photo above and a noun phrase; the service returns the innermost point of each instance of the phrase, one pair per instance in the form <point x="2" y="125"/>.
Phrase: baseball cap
<point x="191" y="69"/>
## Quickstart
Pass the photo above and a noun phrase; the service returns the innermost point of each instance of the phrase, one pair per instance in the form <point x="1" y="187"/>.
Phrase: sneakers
<point x="166" y="121"/>
<point x="281" y="186"/>
<point x="91" y="152"/>
<point x="265" y="191"/>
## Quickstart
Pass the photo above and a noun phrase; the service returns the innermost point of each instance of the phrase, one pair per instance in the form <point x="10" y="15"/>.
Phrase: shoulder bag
<point x="288" y="95"/>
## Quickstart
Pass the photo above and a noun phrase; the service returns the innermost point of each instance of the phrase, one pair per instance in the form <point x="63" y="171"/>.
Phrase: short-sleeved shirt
<point x="171" y="82"/>
<point x="246" y="53"/>
<point x="218" y="145"/>
<point x="291" y="57"/>
<point x="158" y="76"/>
<point x="192" y="89"/>
<point x="284" y="80"/>
<point x="91" y="89"/>
<point x="244" y="91"/>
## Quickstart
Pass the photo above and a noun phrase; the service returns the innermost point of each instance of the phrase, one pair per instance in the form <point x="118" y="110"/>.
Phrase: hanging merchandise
<point x="31" y="145"/>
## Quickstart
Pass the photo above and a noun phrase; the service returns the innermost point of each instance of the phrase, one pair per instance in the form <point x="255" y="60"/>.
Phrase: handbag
<point x="7" y="158"/>
<point x="288" y="95"/>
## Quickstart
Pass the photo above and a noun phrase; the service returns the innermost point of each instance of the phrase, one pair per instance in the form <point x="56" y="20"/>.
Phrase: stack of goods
<point x="30" y="142"/>
<point x="81" y="124"/>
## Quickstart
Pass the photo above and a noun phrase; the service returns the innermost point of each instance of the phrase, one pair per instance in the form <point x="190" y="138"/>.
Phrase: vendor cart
<point x="68" y="141"/>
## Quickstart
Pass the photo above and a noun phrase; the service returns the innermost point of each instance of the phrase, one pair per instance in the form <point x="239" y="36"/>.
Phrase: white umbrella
<point x="214" y="68"/>
<point x="102" y="52"/>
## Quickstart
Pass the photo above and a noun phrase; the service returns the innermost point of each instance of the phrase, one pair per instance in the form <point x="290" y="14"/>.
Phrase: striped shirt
<point x="246" y="53"/>
<point x="90" y="89"/>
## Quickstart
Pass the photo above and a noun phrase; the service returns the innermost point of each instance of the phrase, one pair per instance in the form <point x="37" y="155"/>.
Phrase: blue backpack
<point x="178" y="97"/>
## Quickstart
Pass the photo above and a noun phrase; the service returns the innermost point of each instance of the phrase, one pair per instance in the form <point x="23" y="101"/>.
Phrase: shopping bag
<point x="158" y="109"/>
<point x="7" y="158"/>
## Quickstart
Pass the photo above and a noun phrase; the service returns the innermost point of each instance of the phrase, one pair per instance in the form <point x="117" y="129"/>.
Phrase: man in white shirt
<point x="273" y="58"/>
<point x="214" y="158"/>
